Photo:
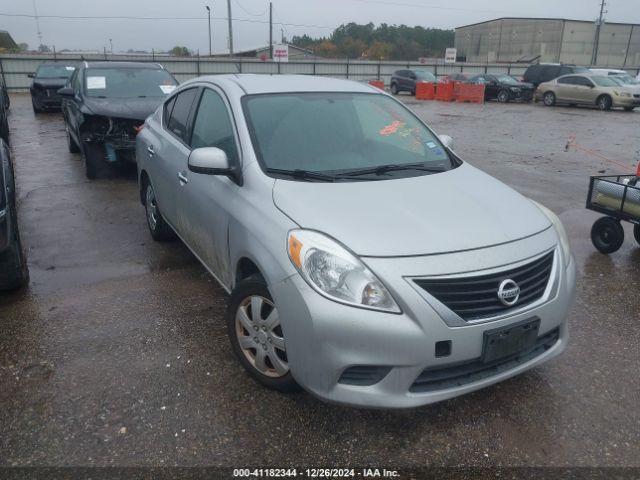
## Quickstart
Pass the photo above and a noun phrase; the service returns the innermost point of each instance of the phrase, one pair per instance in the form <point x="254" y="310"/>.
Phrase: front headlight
<point x="562" y="233"/>
<point x="622" y="94"/>
<point x="334" y="272"/>
<point x="515" y="89"/>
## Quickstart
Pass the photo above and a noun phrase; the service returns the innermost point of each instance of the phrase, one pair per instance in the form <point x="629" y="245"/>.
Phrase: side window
<point x="180" y="113"/>
<point x="585" y="82"/>
<point x="212" y="126"/>
<point x="168" y="108"/>
<point x="567" y="81"/>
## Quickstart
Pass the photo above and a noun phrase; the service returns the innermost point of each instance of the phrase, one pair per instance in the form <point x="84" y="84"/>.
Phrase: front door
<point x="205" y="200"/>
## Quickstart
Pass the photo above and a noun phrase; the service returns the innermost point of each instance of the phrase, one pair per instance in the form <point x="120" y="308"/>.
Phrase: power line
<point x="430" y="7"/>
<point x="123" y="17"/>
<point x="249" y="13"/>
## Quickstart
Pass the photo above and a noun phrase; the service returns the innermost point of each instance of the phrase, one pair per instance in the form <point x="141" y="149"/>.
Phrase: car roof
<point x="253" y="84"/>
<point x="152" y="66"/>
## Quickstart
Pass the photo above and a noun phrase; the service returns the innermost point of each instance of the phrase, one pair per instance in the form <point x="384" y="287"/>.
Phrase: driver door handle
<point x="151" y="151"/>
<point x="183" y="179"/>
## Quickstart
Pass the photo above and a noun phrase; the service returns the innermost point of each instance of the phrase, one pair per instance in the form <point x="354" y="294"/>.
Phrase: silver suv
<point x="366" y="262"/>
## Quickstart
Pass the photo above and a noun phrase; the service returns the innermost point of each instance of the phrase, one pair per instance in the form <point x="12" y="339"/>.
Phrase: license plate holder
<point x="507" y="341"/>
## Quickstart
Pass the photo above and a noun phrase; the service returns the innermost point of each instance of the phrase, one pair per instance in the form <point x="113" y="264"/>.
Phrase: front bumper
<point x="626" y="101"/>
<point x="47" y="98"/>
<point x="325" y="338"/>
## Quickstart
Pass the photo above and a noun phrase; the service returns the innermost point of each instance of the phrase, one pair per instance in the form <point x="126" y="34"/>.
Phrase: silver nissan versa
<point x="366" y="262"/>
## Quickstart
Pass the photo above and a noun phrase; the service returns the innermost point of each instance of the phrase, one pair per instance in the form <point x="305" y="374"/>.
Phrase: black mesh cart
<point x="618" y="197"/>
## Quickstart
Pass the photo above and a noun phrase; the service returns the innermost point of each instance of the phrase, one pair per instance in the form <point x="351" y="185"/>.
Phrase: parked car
<point x="454" y="77"/>
<point x="4" y="93"/>
<point x="14" y="272"/>
<point x="347" y="250"/>
<point x="545" y="72"/>
<point x="504" y="88"/>
<point x="103" y="105"/>
<point x="604" y="92"/>
<point x="4" y="122"/>
<point x="405" y="80"/>
<point x="48" y="79"/>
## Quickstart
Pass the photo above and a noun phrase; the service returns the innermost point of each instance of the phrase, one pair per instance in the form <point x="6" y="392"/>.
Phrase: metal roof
<point x="544" y="19"/>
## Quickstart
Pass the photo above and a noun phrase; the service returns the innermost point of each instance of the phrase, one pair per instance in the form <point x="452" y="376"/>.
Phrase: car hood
<point x="50" y="82"/>
<point x="461" y="209"/>
<point x="132" y="108"/>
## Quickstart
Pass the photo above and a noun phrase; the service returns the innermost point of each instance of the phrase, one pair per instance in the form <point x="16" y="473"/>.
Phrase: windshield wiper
<point x="382" y="169"/>
<point x="303" y="174"/>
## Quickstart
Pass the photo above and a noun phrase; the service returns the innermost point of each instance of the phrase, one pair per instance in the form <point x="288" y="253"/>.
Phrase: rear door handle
<point x="151" y="151"/>
<point x="183" y="179"/>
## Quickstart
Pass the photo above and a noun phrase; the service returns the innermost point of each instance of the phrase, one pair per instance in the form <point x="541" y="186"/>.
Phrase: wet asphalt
<point x="116" y="354"/>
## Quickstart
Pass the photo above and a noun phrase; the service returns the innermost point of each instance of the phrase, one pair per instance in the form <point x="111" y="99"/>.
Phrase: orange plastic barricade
<point x="425" y="91"/>
<point x="377" y="83"/>
<point x="444" y="92"/>
<point x="468" y="92"/>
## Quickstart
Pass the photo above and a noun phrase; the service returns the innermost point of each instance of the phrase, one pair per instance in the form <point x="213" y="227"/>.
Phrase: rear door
<point x="205" y="201"/>
<point x="566" y="89"/>
<point x="169" y="156"/>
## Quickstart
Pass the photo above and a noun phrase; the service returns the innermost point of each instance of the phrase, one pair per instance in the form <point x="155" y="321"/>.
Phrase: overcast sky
<point x="319" y="17"/>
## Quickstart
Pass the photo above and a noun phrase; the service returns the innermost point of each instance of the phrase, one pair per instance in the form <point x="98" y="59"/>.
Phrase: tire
<point x="549" y="99"/>
<point x="256" y="338"/>
<point x="158" y="227"/>
<point x="14" y="271"/>
<point x="636" y="233"/>
<point x="71" y="143"/>
<point x="607" y="235"/>
<point x="604" y="102"/>
<point x="394" y="89"/>
<point x="36" y="109"/>
<point x="628" y="109"/>
<point x="503" y="96"/>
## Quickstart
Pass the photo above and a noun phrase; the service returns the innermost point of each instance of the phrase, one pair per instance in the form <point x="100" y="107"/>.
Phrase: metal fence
<point x="14" y="69"/>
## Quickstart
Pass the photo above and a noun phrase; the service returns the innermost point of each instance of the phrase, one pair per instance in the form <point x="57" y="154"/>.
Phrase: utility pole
<point x="596" y="42"/>
<point x="209" y="15"/>
<point x="282" y="35"/>
<point x="230" y="29"/>
<point x="271" y="30"/>
<point x="35" y="11"/>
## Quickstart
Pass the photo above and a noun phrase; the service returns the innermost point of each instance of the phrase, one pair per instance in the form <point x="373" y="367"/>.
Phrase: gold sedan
<point x="581" y="89"/>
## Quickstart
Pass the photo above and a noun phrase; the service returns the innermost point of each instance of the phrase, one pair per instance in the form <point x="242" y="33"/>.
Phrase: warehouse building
<point x="549" y="40"/>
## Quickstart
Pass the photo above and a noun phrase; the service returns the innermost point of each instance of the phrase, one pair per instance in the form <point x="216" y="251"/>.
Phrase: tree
<point x="327" y="49"/>
<point x="23" y="47"/>
<point x="352" y="48"/>
<point x="44" y="48"/>
<point x="379" y="51"/>
<point x="179" y="51"/>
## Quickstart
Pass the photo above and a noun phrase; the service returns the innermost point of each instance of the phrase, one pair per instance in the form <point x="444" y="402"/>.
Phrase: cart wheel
<point x="636" y="233"/>
<point x="607" y="235"/>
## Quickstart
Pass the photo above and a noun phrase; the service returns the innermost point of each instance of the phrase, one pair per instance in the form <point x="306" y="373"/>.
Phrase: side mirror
<point x="67" y="92"/>
<point x="211" y="161"/>
<point x="31" y="75"/>
<point x="447" y="141"/>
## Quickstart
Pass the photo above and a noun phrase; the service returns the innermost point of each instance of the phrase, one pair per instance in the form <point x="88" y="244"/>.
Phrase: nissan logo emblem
<point x="508" y="292"/>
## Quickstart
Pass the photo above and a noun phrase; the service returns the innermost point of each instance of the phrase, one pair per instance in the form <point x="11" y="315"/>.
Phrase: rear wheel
<point x="549" y="99"/>
<point x="158" y="227"/>
<point x="607" y="235"/>
<point x="503" y="96"/>
<point x="256" y="335"/>
<point x="604" y="102"/>
<point x="14" y="272"/>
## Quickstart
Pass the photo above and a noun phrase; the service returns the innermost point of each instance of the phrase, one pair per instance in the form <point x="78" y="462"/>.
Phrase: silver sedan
<point x="366" y="262"/>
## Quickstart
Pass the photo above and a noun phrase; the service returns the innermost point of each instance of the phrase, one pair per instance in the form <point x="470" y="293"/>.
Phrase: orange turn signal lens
<point x="295" y="248"/>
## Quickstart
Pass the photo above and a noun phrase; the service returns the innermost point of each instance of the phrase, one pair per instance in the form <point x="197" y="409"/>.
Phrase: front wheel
<point x="607" y="235"/>
<point x="503" y="96"/>
<point x="256" y="335"/>
<point x="14" y="272"/>
<point x="636" y="233"/>
<point x="549" y="99"/>
<point x="604" y="102"/>
<point x="394" y="89"/>
<point x="71" y="143"/>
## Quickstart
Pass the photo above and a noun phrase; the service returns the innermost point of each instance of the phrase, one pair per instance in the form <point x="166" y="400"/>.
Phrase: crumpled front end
<point x="116" y="135"/>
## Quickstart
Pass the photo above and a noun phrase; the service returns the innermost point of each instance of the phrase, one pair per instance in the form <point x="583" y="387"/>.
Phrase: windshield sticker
<point x="438" y="151"/>
<point x="70" y="68"/>
<point x="96" y="82"/>
<point x="431" y="145"/>
<point x="167" y="89"/>
<point x="391" y="129"/>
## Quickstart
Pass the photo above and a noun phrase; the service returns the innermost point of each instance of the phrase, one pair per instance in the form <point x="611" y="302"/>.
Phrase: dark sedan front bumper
<point x="523" y="95"/>
<point x="46" y="97"/>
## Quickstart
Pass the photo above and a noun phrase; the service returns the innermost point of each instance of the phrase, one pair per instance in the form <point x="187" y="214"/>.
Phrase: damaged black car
<point x="47" y="80"/>
<point x="104" y="105"/>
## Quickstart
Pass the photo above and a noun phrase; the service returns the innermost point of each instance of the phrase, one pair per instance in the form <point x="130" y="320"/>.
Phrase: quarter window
<point x="212" y="126"/>
<point x="180" y="114"/>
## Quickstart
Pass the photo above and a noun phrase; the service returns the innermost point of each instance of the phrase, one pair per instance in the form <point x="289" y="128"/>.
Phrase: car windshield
<point x="624" y="79"/>
<point x="425" y="76"/>
<point x="604" y="81"/>
<point x="342" y="134"/>
<point x="54" y="71"/>
<point x="128" y="82"/>
<point x="507" y="79"/>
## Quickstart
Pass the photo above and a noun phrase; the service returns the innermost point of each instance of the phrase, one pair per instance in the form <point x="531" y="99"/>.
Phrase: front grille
<point x="433" y="379"/>
<point x="476" y="297"/>
<point x="52" y="92"/>
<point x="636" y="95"/>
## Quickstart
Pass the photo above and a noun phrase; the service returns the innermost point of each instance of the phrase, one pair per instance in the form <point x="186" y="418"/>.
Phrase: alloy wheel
<point x="152" y="208"/>
<point x="260" y="336"/>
